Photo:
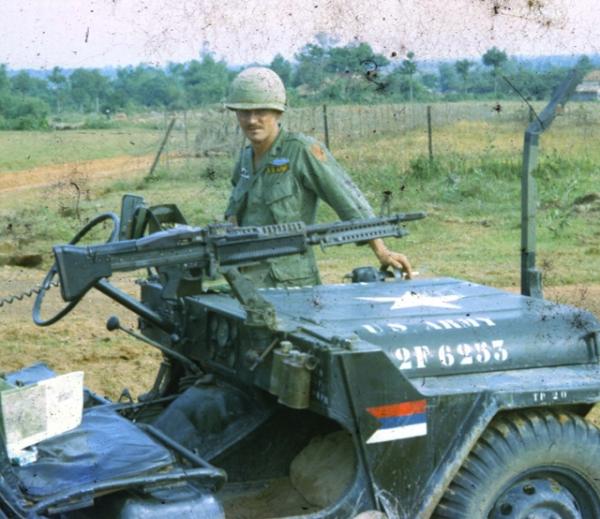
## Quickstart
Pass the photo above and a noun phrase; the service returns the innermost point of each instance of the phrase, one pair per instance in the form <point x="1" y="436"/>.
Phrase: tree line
<point x="321" y="72"/>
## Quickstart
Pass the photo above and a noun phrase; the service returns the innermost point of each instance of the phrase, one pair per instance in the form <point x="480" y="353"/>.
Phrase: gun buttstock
<point x="78" y="271"/>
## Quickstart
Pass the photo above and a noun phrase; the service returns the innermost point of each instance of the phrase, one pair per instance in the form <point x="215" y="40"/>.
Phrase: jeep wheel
<point x="530" y="465"/>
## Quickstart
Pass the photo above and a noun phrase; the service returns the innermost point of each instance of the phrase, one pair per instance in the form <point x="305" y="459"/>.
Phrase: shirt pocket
<point x="240" y="190"/>
<point x="296" y="270"/>
<point x="283" y="200"/>
<point x="237" y="198"/>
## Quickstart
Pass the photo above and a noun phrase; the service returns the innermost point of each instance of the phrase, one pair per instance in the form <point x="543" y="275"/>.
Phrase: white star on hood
<point x="414" y="300"/>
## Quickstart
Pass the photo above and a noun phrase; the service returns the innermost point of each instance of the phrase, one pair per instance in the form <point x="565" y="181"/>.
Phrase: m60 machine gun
<point x="183" y="254"/>
<point x="405" y="398"/>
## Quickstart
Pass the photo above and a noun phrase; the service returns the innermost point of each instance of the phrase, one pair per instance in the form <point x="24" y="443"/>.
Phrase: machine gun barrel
<point x="339" y="233"/>
<point x="204" y="249"/>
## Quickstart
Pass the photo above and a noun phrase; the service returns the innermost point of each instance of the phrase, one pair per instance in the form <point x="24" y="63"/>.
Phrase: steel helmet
<point x="257" y="88"/>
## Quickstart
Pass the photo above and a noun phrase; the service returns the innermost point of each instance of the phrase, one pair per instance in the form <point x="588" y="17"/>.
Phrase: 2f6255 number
<point x="464" y="354"/>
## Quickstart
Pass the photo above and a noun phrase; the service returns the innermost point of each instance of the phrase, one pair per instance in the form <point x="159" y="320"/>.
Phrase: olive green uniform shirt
<point x="286" y="186"/>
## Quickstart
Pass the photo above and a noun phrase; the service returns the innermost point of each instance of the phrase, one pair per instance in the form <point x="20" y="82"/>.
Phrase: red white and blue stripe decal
<point x="399" y="421"/>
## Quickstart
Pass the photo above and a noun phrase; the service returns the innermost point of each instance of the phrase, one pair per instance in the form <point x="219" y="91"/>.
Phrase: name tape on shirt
<point x="278" y="166"/>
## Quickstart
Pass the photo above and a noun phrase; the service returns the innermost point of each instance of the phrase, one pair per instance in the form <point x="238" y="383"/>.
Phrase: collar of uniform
<point x="273" y="152"/>
<point x="276" y="147"/>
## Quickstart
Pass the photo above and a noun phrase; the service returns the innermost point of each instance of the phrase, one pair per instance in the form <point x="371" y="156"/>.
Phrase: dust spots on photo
<point x="387" y="207"/>
<point x="543" y="13"/>
<point x="398" y="113"/>
<point x="372" y="74"/>
<point x="386" y="198"/>
<point x="210" y="174"/>
<point x="67" y="193"/>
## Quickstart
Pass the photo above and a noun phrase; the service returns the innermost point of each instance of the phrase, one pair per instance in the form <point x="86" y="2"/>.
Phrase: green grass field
<point x="471" y="192"/>
<point x="24" y="150"/>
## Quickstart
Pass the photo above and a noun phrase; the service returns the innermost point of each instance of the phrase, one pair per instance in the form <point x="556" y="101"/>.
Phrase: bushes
<point x="422" y="168"/>
<point x="23" y="113"/>
<point x="98" y="123"/>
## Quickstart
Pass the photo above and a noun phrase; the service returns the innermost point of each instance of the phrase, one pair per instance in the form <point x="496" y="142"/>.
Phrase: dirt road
<point x="48" y="175"/>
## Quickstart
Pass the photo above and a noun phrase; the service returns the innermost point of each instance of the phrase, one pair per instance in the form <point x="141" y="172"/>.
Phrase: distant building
<point x="589" y="89"/>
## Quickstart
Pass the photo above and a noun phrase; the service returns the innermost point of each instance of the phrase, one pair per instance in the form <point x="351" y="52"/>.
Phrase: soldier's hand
<point x="389" y="258"/>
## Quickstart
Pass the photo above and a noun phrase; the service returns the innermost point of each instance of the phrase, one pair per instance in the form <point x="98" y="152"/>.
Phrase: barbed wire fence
<point x="215" y="132"/>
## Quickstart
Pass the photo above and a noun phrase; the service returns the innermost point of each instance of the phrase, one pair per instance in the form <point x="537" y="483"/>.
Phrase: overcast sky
<point x="80" y="33"/>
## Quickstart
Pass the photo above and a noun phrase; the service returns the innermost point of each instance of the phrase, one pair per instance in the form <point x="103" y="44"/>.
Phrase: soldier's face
<point x="259" y="126"/>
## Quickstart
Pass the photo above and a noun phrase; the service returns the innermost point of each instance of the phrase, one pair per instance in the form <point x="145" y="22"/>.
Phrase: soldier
<point x="280" y="177"/>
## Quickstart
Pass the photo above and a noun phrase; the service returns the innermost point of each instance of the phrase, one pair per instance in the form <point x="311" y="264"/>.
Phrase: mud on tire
<point x="529" y="464"/>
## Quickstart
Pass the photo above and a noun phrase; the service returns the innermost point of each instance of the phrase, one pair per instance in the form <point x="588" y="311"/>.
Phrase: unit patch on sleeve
<point x="280" y="165"/>
<point x="399" y="421"/>
<point x="318" y="152"/>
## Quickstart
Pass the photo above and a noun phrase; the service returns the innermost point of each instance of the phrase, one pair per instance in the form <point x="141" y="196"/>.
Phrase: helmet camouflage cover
<point x="257" y="88"/>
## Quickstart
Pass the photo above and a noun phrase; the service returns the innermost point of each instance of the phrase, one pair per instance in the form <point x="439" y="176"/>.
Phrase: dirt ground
<point x="111" y="360"/>
<point x="15" y="181"/>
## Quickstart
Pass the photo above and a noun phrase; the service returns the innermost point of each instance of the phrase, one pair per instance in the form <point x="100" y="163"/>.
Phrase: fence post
<point x="429" y="136"/>
<point x="185" y="133"/>
<point x="326" y="126"/>
<point x="160" y="149"/>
